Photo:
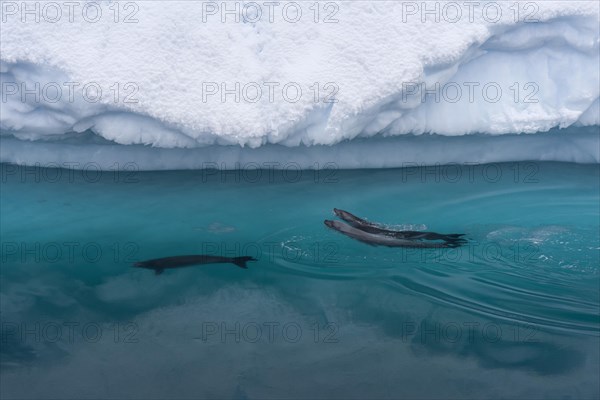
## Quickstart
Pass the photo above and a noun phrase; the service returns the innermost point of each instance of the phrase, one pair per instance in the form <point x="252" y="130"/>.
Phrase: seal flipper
<point x="241" y="261"/>
<point x="158" y="271"/>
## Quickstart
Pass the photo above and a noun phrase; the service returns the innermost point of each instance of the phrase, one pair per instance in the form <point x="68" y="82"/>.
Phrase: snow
<point x="187" y="76"/>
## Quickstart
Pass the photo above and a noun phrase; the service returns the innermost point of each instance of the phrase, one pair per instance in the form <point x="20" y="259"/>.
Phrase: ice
<point x="164" y="82"/>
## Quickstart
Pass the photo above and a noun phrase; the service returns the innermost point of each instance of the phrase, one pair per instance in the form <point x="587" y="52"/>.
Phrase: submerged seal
<point x="160" y="264"/>
<point x="379" y="229"/>
<point x="383" y="240"/>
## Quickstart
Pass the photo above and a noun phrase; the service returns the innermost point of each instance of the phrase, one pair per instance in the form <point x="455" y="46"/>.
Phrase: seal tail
<point x="241" y="261"/>
<point x="455" y="235"/>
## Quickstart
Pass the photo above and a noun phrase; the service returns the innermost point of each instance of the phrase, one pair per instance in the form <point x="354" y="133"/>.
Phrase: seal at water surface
<point x="375" y="228"/>
<point x="384" y="240"/>
<point x="160" y="264"/>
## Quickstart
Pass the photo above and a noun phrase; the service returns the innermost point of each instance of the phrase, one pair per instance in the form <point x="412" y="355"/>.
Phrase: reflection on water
<point x="513" y="314"/>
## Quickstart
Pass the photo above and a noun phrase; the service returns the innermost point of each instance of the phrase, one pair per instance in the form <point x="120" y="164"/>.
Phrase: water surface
<point x="514" y="314"/>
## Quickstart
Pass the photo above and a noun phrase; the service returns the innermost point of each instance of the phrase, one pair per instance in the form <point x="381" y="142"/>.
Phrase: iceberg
<point x="361" y="84"/>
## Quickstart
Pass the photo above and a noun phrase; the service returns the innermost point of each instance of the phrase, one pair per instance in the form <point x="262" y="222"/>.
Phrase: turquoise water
<point x="514" y="314"/>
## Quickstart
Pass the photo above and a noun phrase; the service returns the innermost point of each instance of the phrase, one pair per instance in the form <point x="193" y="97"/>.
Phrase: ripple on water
<point x="523" y="276"/>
